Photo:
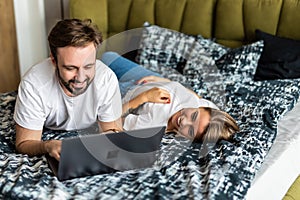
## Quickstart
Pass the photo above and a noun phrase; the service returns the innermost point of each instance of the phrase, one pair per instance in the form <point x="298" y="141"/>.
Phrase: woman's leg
<point x="127" y="72"/>
<point x="125" y="69"/>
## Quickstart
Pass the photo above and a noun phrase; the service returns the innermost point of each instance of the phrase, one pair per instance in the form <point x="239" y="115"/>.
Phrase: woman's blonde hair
<point x="221" y="126"/>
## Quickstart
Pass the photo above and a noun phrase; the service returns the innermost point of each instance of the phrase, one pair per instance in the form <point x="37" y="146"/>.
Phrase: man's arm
<point x="114" y="126"/>
<point x="29" y="142"/>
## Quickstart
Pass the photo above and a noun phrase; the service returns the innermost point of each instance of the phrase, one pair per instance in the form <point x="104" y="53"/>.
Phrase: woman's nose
<point x="185" y="121"/>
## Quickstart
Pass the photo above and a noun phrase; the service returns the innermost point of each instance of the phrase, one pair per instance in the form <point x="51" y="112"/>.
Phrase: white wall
<point x="55" y="10"/>
<point x="31" y="32"/>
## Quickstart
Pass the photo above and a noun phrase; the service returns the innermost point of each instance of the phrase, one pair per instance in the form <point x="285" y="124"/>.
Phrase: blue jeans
<point x="127" y="72"/>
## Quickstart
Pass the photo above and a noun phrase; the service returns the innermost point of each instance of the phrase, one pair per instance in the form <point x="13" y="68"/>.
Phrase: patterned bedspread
<point x="184" y="170"/>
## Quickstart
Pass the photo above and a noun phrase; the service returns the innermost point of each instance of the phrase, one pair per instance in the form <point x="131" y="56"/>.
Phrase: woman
<point x="151" y="100"/>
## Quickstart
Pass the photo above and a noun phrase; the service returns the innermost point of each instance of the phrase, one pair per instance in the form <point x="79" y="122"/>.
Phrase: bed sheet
<point x="282" y="164"/>
<point x="184" y="170"/>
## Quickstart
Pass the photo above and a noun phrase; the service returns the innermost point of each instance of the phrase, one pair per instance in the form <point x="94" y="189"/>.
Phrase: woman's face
<point x="190" y="122"/>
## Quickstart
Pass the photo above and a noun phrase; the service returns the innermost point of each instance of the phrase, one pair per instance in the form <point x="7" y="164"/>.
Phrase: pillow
<point x="202" y="73"/>
<point x="166" y="51"/>
<point x="162" y="47"/>
<point x="201" y="65"/>
<point x="210" y="77"/>
<point x="280" y="58"/>
<point x="214" y="50"/>
<point x="239" y="64"/>
<point x="198" y="67"/>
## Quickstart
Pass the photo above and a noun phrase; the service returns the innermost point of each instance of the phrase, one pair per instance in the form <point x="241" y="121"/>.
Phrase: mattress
<point x="282" y="165"/>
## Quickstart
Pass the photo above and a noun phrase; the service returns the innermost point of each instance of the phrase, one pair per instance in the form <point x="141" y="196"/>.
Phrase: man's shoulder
<point x="100" y="66"/>
<point x="41" y="69"/>
<point x="40" y="74"/>
<point x="104" y="73"/>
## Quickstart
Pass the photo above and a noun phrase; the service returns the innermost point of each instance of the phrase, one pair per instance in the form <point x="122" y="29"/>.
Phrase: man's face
<point x="76" y="68"/>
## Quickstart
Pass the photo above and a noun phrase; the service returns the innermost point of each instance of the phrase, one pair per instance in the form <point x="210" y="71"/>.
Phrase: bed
<point x="218" y="63"/>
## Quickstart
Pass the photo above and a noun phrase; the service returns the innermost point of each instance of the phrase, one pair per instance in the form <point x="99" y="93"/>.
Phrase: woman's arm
<point x="148" y="79"/>
<point x="153" y="95"/>
<point x="114" y="126"/>
<point x="194" y="93"/>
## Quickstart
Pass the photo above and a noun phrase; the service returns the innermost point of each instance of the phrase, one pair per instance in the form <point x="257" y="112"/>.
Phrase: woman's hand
<point x="156" y="95"/>
<point x="148" y="79"/>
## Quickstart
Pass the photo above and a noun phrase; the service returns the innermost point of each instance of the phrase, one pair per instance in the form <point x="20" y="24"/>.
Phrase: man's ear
<point x="53" y="59"/>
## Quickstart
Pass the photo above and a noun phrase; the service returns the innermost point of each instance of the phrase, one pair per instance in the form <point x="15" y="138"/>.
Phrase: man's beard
<point x="72" y="90"/>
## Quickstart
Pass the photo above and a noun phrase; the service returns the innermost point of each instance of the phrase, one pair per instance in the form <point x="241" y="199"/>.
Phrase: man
<point x="68" y="91"/>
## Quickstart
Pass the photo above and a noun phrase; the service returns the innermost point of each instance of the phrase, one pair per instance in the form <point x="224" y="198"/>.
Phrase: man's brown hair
<point x="73" y="32"/>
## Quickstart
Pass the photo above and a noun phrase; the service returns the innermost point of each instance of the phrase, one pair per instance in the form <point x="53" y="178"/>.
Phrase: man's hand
<point x="29" y="142"/>
<point x="53" y="147"/>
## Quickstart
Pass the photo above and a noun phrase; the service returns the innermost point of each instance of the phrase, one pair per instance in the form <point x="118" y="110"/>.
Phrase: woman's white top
<point x="157" y="114"/>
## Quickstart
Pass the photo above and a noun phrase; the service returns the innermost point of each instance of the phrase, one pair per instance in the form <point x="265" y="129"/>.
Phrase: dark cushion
<point x="280" y="58"/>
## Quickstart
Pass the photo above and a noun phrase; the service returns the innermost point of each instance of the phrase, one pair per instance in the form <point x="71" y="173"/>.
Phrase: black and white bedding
<point x="184" y="170"/>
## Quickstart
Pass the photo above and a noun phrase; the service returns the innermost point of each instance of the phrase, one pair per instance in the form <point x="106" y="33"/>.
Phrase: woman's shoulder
<point x="174" y="85"/>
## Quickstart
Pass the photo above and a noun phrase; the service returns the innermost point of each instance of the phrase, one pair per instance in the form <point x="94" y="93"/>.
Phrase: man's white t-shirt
<point x="158" y="114"/>
<point x="42" y="102"/>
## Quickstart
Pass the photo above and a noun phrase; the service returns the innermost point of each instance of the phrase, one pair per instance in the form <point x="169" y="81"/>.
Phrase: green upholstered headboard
<point x="230" y="22"/>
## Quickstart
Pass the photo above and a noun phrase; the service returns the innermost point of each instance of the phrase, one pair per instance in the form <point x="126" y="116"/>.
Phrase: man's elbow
<point x="20" y="147"/>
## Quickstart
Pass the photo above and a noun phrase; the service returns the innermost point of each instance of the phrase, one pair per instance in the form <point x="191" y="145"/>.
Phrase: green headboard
<point x="230" y="22"/>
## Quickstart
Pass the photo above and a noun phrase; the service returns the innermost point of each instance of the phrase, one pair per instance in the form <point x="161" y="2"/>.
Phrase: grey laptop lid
<point x="107" y="153"/>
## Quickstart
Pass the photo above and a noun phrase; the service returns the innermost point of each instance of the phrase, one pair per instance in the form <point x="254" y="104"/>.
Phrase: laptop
<point x="107" y="153"/>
